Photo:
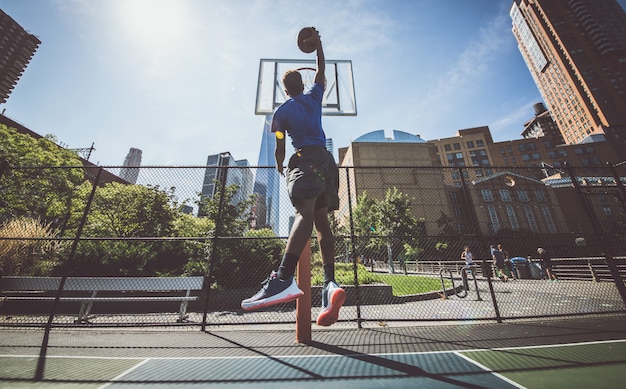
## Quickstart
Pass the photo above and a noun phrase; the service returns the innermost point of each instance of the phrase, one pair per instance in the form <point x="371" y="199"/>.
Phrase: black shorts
<point x="313" y="173"/>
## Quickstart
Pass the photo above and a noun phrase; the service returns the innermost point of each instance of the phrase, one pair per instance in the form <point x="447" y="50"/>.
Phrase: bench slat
<point x="89" y="298"/>
<point x="102" y="283"/>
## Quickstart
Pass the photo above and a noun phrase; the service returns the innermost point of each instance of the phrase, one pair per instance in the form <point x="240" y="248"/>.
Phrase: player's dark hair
<point x="292" y="79"/>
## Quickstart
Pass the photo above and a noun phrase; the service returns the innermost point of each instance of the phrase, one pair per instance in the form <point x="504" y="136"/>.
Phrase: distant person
<point x="467" y="256"/>
<point x="546" y="263"/>
<point x="498" y="259"/>
<point x="312" y="182"/>
<point x="508" y="265"/>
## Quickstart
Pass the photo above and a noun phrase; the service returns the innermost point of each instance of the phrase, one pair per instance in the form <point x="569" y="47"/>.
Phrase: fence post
<point x="222" y="174"/>
<point x="303" y="304"/>
<point x="41" y="362"/>
<point x="592" y="271"/>
<point x="354" y="257"/>
<point x="604" y="242"/>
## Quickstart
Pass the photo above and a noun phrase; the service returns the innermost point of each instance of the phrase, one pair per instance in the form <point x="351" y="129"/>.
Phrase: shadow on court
<point x="578" y="352"/>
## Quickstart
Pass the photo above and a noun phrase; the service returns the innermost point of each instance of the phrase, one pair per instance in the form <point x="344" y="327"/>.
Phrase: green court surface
<point x="587" y="365"/>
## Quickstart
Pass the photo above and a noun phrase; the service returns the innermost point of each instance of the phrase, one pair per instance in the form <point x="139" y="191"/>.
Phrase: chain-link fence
<point x="184" y="245"/>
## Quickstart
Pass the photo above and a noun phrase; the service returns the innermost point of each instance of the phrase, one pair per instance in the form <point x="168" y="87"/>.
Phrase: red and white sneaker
<point x="333" y="298"/>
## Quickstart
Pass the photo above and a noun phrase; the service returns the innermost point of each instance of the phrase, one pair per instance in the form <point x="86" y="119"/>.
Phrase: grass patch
<point x="401" y="285"/>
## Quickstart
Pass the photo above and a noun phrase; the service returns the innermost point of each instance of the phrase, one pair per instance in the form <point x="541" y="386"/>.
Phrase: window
<point x="447" y="147"/>
<point x="487" y="195"/>
<point x="480" y="143"/>
<point x="457" y="213"/>
<point x="525" y="157"/>
<point x="454" y="197"/>
<point x="457" y="146"/>
<point x="470" y="144"/>
<point x="522" y="195"/>
<point x="505" y="195"/>
<point x="563" y="153"/>
<point x="532" y="223"/>
<point x="549" y="221"/>
<point x="459" y="155"/>
<point x="493" y="216"/>
<point x="607" y="211"/>
<point x="540" y="195"/>
<point x="512" y="218"/>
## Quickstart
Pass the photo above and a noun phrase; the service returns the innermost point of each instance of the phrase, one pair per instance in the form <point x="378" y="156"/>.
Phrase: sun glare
<point x="153" y="22"/>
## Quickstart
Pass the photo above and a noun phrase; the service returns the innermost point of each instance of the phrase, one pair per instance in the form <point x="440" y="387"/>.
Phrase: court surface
<point x="564" y="353"/>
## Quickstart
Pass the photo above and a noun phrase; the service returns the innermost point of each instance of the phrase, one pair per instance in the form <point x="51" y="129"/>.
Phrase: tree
<point x="391" y="225"/>
<point x="126" y="211"/>
<point x="36" y="179"/>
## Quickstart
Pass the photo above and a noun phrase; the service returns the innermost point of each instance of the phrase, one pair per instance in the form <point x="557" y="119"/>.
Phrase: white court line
<point x="122" y="374"/>
<point x="485" y="368"/>
<point x="322" y="355"/>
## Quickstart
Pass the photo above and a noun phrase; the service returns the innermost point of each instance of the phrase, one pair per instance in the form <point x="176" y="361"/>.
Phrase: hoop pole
<point x="303" y="304"/>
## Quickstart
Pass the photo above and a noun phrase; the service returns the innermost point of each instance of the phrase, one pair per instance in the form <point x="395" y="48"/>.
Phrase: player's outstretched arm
<point x="321" y="60"/>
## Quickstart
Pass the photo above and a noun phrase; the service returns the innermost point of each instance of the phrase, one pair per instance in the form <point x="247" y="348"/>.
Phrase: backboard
<point x="339" y="97"/>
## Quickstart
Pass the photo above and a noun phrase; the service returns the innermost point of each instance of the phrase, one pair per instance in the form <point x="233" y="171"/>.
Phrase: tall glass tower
<point x="234" y="172"/>
<point x="267" y="182"/>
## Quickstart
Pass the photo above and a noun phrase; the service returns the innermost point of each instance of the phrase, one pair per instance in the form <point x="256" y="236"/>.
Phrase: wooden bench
<point x="150" y="289"/>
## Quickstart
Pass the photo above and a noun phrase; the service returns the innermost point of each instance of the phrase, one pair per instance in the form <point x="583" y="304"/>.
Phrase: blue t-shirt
<point x="301" y="118"/>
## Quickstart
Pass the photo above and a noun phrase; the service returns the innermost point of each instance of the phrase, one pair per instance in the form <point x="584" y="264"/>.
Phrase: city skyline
<point x="421" y="67"/>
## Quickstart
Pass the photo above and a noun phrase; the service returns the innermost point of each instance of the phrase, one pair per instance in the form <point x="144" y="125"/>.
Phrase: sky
<point x="178" y="78"/>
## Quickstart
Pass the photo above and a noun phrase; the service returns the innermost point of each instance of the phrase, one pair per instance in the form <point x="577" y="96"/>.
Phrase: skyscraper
<point x="17" y="48"/>
<point x="576" y="53"/>
<point x="224" y="167"/>
<point x="130" y="169"/>
<point x="267" y="182"/>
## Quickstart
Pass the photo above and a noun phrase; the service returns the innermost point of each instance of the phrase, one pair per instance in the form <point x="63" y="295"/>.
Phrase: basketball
<point x="305" y="46"/>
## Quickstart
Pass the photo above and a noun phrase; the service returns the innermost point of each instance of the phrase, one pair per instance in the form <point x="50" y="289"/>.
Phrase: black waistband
<point x="305" y="148"/>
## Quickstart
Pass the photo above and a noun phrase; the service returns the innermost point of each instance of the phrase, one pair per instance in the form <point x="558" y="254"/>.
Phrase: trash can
<point x="521" y="267"/>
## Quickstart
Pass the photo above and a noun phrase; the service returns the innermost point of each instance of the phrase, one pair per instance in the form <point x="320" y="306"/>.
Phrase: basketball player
<point x="312" y="182"/>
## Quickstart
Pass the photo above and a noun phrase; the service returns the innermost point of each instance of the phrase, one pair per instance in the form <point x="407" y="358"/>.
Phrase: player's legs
<point x="333" y="296"/>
